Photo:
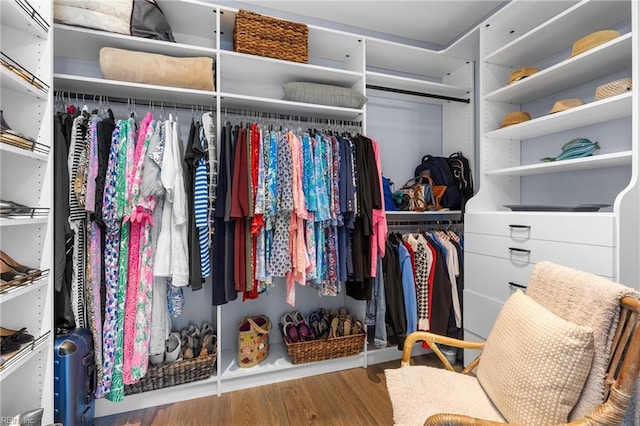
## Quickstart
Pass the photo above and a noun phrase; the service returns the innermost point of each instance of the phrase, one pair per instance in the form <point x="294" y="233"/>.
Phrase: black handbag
<point x="148" y="21"/>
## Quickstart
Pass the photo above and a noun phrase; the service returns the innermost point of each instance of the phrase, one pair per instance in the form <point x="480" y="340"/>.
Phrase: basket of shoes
<point x="322" y="335"/>
<point x="190" y="356"/>
<point x="261" y="35"/>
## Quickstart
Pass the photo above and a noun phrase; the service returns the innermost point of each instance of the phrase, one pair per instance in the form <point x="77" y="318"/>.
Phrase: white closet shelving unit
<point x="26" y="379"/>
<point x="252" y="83"/>
<point x="502" y="245"/>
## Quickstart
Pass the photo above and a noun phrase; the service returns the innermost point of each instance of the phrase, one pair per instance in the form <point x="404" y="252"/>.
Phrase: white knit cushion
<point x="323" y="94"/>
<point x="534" y="363"/>
<point x="418" y="392"/>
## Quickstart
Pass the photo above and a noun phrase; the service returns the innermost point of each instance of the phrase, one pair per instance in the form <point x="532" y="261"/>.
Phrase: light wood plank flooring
<point x="350" y="397"/>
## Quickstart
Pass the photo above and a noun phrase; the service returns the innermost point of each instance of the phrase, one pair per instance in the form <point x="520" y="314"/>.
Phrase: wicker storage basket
<point x="176" y="373"/>
<point x="319" y="350"/>
<point x="270" y="37"/>
<point x="253" y="340"/>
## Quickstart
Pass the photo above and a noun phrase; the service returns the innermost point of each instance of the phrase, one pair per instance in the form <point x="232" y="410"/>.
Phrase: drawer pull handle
<point x="520" y="226"/>
<point x="511" y="283"/>
<point x="519" y="250"/>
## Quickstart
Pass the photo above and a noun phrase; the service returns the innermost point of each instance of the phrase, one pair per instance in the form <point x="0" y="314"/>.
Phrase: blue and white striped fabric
<point x="201" y="206"/>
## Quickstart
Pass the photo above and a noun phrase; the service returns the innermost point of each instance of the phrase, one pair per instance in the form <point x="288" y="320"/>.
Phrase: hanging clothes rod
<point x="421" y="94"/>
<point x="84" y="97"/>
<point x="290" y="117"/>
<point x="258" y="115"/>
<point x="423" y="222"/>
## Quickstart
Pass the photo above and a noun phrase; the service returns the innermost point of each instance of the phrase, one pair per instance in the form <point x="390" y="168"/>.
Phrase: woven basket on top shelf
<point x="176" y="373"/>
<point x="322" y="349"/>
<point x="270" y="37"/>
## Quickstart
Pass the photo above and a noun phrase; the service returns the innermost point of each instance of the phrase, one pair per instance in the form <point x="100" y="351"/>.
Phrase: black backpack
<point x="462" y="174"/>
<point x="440" y="170"/>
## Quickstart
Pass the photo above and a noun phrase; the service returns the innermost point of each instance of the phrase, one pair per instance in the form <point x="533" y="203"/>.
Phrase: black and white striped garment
<point x="78" y="220"/>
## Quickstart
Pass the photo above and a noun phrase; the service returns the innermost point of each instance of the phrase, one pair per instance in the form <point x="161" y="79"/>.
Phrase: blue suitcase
<point x="75" y="378"/>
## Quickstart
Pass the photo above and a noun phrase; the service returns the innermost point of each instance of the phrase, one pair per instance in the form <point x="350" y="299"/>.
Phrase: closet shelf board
<point x="10" y="81"/>
<point x="607" y="58"/>
<point x="560" y="31"/>
<point x="409" y="59"/>
<point x="10" y="150"/>
<point x="277" y="360"/>
<point x="24" y="221"/>
<point x="416" y="85"/>
<point x="253" y="103"/>
<point x="23" y="290"/>
<point x="241" y="66"/>
<point x="594" y="162"/>
<point x="13" y="15"/>
<point x="591" y="113"/>
<point x="85" y="44"/>
<point x="27" y="354"/>
<point x="124" y="89"/>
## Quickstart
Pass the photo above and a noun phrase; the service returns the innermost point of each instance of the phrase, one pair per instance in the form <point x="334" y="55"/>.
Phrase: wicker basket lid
<point x="613" y="88"/>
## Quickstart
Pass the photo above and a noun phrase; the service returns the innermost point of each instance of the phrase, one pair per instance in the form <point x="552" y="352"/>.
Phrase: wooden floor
<point x="350" y="397"/>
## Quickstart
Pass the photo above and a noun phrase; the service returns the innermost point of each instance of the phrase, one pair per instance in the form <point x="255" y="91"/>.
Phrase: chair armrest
<point x="434" y="340"/>
<point x="458" y="420"/>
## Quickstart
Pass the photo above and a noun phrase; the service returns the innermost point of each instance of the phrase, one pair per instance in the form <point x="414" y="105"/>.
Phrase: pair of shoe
<point x="31" y="418"/>
<point x="14" y="138"/>
<point x="208" y="339"/>
<point x="320" y="321"/>
<point x="295" y="328"/>
<point x="12" y="340"/>
<point x="8" y="261"/>
<point x="172" y="353"/>
<point x="198" y="341"/>
<point x="343" y="324"/>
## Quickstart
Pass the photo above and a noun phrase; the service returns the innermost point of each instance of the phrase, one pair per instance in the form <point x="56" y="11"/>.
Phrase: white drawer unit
<point x="590" y="258"/>
<point x="479" y="313"/>
<point x="583" y="228"/>
<point x="495" y="277"/>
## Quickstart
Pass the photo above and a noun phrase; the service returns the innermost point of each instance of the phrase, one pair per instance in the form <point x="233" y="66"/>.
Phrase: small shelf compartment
<point x="20" y="14"/>
<point x="591" y="113"/>
<point x="440" y="91"/>
<point x="14" y="291"/>
<point x="65" y="44"/>
<point x="562" y="30"/>
<point x="24" y="355"/>
<point x="594" y="162"/>
<point x="251" y="103"/>
<point x="16" y="78"/>
<point x="605" y="59"/>
<point x="124" y="89"/>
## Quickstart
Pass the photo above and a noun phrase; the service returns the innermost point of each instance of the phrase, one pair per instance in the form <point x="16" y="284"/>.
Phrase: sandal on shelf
<point x="304" y="332"/>
<point x="333" y="332"/>
<point x="173" y="347"/>
<point x="8" y="261"/>
<point x="19" y="336"/>
<point x="291" y="332"/>
<point x="8" y="346"/>
<point x="12" y="277"/>
<point x="209" y="345"/>
<point x="356" y="327"/>
<point x="346" y="327"/>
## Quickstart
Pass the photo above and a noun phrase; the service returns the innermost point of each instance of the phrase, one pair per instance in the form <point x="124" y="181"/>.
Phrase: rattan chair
<point x="622" y="373"/>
